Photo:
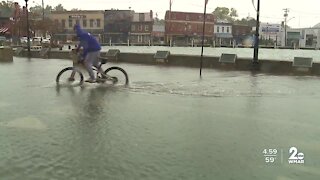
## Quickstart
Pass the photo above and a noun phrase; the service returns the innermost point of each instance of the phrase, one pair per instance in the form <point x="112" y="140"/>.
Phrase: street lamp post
<point x="42" y="10"/>
<point x="28" y="28"/>
<point x="256" y="44"/>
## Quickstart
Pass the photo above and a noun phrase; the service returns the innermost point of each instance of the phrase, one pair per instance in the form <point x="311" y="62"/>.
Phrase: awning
<point x="223" y="35"/>
<point x="3" y="30"/>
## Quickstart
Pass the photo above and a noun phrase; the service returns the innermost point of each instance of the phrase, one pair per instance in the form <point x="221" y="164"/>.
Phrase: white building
<point x="304" y="37"/>
<point x="223" y="33"/>
<point x="310" y="37"/>
<point x="269" y="31"/>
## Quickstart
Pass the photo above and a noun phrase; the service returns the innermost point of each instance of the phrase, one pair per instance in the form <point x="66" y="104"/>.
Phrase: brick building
<point x="141" y="28"/>
<point x="185" y="28"/>
<point x="117" y="26"/>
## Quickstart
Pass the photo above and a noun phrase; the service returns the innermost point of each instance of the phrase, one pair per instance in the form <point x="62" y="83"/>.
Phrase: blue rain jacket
<point x="87" y="41"/>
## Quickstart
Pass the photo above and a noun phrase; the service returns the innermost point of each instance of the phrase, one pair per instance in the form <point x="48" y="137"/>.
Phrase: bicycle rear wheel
<point x="118" y="75"/>
<point x="69" y="76"/>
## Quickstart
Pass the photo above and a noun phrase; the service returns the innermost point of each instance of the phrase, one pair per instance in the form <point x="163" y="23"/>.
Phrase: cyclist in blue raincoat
<point x="91" y="51"/>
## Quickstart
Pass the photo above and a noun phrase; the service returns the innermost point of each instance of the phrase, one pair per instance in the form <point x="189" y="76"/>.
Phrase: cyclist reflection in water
<point x="91" y="52"/>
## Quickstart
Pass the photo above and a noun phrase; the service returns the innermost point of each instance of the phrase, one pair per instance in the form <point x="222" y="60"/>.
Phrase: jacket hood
<point x="79" y="31"/>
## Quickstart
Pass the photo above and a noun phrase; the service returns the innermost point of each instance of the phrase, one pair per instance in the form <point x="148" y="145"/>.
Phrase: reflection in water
<point x="90" y="128"/>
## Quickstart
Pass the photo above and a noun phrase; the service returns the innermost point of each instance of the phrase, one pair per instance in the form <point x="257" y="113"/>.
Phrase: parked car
<point x="36" y="41"/>
<point x="24" y="40"/>
<point x="46" y="40"/>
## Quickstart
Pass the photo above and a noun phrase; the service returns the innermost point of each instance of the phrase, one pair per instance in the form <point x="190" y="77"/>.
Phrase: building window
<point x="77" y="21"/>
<point x="133" y="28"/>
<point x="98" y="23"/>
<point x="70" y="22"/>
<point x="228" y="29"/>
<point x="173" y="16"/>
<point x="146" y="28"/>
<point x="91" y="22"/>
<point x="84" y="23"/>
<point x="187" y="18"/>
<point x="140" y="27"/>
<point x="63" y="23"/>
<point x="218" y="29"/>
<point x="223" y="29"/>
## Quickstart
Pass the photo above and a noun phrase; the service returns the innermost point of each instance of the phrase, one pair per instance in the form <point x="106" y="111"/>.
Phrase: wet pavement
<point x="168" y="124"/>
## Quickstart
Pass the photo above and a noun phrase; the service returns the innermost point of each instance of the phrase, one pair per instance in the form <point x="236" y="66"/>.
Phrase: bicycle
<point x="114" y="74"/>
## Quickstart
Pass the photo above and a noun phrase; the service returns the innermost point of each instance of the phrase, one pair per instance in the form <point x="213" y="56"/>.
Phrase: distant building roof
<point x="317" y="25"/>
<point x="79" y="11"/>
<point x="142" y="17"/>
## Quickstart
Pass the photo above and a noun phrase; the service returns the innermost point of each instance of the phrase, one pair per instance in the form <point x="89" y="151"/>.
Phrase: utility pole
<point x="42" y="10"/>
<point x="286" y="11"/>
<point x="203" y="34"/>
<point x="255" y="63"/>
<point x="169" y="38"/>
<point x="28" y="29"/>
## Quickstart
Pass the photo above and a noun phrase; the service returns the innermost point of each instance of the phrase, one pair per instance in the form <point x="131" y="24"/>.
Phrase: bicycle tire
<point x="79" y="78"/>
<point x="115" y="68"/>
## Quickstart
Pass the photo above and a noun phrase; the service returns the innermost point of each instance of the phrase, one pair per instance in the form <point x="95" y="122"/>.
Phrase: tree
<point x="249" y="21"/>
<point x="37" y="11"/>
<point x="221" y="13"/>
<point x="6" y="8"/>
<point x="225" y="14"/>
<point x="233" y="13"/>
<point x="59" y="7"/>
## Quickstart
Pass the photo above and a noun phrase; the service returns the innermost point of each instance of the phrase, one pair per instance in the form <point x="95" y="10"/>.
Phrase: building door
<point x="140" y="38"/>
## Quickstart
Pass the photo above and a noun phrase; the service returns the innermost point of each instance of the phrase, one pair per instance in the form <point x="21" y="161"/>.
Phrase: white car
<point x="25" y="40"/>
<point x="47" y="41"/>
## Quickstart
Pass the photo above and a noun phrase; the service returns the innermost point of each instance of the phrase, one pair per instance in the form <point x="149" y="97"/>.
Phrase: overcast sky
<point x="306" y="13"/>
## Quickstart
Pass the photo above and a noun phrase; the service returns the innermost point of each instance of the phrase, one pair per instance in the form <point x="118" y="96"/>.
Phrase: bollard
<point x="6" y="54"/>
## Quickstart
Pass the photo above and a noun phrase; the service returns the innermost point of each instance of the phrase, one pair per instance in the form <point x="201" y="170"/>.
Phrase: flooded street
<point x="168" y="124"/>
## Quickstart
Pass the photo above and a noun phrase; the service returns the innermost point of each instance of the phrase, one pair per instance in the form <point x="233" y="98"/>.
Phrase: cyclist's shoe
<point x="71" y="79"/>
<point x="90" y="81"/>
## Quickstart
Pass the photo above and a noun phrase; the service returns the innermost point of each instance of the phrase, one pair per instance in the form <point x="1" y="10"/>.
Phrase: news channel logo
<point x="274" y="155"/>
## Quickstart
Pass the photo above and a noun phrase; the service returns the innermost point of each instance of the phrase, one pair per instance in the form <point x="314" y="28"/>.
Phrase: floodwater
<point x="168" y="124"/>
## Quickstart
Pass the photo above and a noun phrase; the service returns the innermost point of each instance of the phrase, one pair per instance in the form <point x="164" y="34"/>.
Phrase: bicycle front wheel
<point x="118" y="75"/>
<point x="69" y="76"/>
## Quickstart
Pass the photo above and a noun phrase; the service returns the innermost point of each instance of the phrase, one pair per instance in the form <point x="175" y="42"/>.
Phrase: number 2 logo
<point x="294" y="154"/>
